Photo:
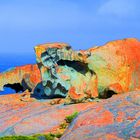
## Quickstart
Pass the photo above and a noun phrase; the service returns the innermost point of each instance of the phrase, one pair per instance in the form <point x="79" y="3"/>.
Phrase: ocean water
<point x="12" y="60"/>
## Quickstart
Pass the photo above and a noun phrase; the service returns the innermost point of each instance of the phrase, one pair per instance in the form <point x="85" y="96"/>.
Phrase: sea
<point x="8" y="61"/>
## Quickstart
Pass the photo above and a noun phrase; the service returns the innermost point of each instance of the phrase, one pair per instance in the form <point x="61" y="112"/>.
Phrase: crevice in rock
<point x="16" y="86"/>
<point x="108" y="94"/>
<point x="76" y="65"/>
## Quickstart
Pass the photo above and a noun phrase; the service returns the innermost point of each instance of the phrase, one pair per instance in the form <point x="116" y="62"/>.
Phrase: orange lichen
<point x="116" y="88"/>
<point x="28" y="74"/>
<point x="120" y="117"/>
<point x="74" y="95"/>
<point x="105" y="118"/>
<point x="112" y="137"/>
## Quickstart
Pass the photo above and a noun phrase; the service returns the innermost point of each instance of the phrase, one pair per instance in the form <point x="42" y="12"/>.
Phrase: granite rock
<point x="116" y="118"/>
<point x="20" y="78"/>
<point x="80" y="76"/>
<point x="26" y="118"/>
<point x="111" y="119"/>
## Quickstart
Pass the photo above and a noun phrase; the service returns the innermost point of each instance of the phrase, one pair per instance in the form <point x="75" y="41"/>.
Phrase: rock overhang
<point x="20" y="78"/>
<point x="63" y="69"/>
<point x="80" y="75"/>
<point x="92" y="73"/>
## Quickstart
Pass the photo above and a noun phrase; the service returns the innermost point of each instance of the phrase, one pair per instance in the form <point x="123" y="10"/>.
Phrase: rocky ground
<point x="111" y="119"/>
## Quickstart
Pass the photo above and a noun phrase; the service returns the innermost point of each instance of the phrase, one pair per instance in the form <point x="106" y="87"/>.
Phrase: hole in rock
<point x="68" y="47"/>
<point x="16" y="86"/>
<point x="76" y="65"/>
<point x="7" y="90"/>
<point x="49" y="84"/>
<point x="109" y="94"/>
<point x="38" y="90"/>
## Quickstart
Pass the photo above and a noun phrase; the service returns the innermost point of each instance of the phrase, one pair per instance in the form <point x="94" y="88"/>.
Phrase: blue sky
<point x="81" y="23"/>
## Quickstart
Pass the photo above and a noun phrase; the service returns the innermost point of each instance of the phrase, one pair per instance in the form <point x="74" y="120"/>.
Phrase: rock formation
<point x="65" y="71"/>
<point x="77" y="76"/>
<point x="111" y="119"/>
<point x="82" y="75"/>
<point x="116" y="118"/>
<point x="20" y="78"/>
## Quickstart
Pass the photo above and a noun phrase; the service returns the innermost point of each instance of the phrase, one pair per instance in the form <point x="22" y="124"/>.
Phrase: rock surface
<point x="26" y="118"/>
<point x="112" y="119"/>
<point x="65" y="71"/>
<point x="117" y="118"/>
<point x="81" y="75"/>
<point x="20" y="78"/>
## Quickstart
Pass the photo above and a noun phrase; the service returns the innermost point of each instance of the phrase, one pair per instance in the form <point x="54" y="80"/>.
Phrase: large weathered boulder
<point x="116" y="118"/>
<point x="81" y="75"/>
<point x="65" y="71"/>
<point x="20" y="78"/>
